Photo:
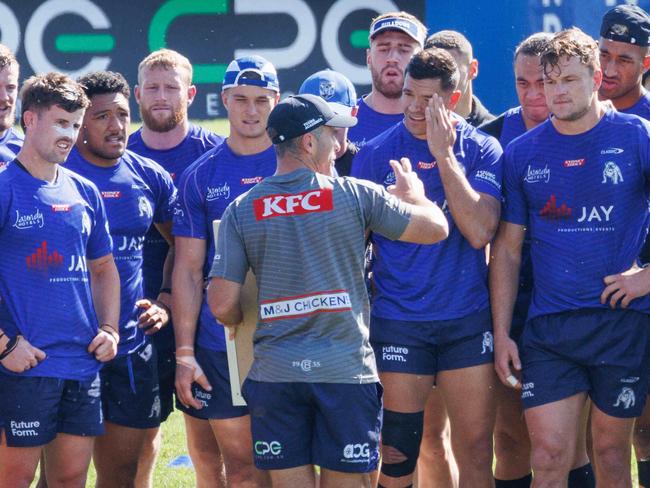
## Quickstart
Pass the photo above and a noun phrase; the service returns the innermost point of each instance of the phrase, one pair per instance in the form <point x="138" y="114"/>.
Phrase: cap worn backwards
<point x="400" y="24"/>
<point x="251" y="70"/>
<point x="626" y="23"/>
<point x="333" y="87"/>
<point x="300" y="114"/>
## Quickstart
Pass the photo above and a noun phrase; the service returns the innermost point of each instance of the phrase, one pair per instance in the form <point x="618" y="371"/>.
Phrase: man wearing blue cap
<point x="250" y="90"/>
<point x="313" y="389"/>
<point x="338" y="91"/>
<point x="394" y="37"/>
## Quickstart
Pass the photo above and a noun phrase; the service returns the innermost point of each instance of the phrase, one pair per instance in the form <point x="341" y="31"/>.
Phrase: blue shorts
<point x="603" y="352"/>
<point x="217" y="404"/>
<point x="35" y="409"/>
<point x="520" y="314"/>
<point x="335" y="426"/>
<point x="130" y="391"/>
<point x="166" y="378"/>
<point x="430" y="347"/>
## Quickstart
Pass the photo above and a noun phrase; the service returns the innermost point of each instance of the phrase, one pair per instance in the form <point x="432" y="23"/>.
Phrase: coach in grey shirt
<point x="313" y="389"/>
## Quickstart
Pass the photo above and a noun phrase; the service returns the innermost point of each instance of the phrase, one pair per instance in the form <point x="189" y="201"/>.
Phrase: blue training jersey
<point x="174" y="160"/>
<point x="513" y="126"/>
<point x="10" y="144"/>
<point x="204" y="192"/>
<point x="442" y="281"/>
<point x="584" y="199"/>
<point x="48" y="231"/>
<point x="640" y="108"/>
<point x="370" y="124"/>
<point x="137" y="192"/>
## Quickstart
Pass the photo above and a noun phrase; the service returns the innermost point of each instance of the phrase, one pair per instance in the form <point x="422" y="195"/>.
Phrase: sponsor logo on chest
<point x="293" y="204"/>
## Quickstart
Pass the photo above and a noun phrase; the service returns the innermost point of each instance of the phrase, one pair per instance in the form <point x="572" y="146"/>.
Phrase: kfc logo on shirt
<point x="298" y="204"/>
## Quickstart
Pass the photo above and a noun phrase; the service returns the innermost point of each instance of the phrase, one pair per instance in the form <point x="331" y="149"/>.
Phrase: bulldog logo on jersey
<point x="626" y="398"/>
<point x="85" y="223"/>
<point x="612" y="173"/>
<point x="144" y="207"/>
<point x="326" y="89"/>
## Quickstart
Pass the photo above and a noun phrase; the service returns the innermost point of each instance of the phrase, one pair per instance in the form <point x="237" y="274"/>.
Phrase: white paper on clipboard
<point x="240" y="350"/>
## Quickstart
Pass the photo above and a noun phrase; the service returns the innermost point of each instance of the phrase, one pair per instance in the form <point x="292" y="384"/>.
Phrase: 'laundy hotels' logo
<point x="29" y="221"/>
<point x="537" y="175"/>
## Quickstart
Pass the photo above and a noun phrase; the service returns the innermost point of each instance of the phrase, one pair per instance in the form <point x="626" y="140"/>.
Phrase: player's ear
<point x="598" y="78"/>
<point x="191" y="93"/>
<point x="453" y="99"/>
<point x="29" y="118"/>
<point x="136" y="93"/>
<point x="646" y="62"/>
<point x="473" y="69"/>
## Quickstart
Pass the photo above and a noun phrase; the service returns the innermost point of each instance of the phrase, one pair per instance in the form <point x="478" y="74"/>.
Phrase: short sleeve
<point x="230" y="260"/>
<point x="190" y="219"/>
<point x="166" y="197"/>
<point x="99" y="241"/>
<point x="383" y="213"/>
<point x="486" y="175"/>
<point x="514" y="209"/>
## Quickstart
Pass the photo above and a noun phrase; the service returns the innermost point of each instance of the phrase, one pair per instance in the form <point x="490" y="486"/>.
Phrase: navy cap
<point x="300" y="114"/>
<point x="399" y="24"/>
<point x="626" y="23"/>
<point x="251" y="70"/>
<point x="334" y="88"/>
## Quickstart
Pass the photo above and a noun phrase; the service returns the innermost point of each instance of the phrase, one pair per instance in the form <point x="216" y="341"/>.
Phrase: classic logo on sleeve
<point x="297" y="204"/>
<point x="301" y="306"/>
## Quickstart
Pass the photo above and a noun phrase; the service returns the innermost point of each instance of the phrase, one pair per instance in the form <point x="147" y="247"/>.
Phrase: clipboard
<point x="240" y="349"/>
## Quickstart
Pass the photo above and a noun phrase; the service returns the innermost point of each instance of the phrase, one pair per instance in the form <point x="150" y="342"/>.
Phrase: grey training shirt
<point x="303" y="236"/>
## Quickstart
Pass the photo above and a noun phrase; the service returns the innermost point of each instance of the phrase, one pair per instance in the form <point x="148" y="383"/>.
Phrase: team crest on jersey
<point x="626" y="398"/>
<point x="612" y="173"/>
<point x="488" y="342"/>
<point x="85" y="223"/>
<point x="390" y="178"/>
<point x="144" y="207"/>
<point x="326" y="89"/>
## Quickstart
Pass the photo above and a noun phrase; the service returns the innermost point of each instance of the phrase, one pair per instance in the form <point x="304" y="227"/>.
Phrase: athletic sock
<point x="582" y="477"/>
<point x="518" y="483"/>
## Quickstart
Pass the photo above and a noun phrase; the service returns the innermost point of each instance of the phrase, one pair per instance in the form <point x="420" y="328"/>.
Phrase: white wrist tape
<point x="192" y="363"/>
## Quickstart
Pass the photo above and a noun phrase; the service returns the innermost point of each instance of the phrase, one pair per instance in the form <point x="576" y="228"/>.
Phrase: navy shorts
<point x="603" y="352"/>
<point x="335" y="426"/>
<point x="35" y="409"/>
<point x="430" y="347"/>
<point x="166" y="378"/>
<point x="130" y="391"/>
<point x="520" y="314"/>
<point x="217" y="404"/>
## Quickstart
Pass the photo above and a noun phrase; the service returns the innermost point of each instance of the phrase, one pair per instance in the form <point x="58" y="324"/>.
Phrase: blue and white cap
<point x="251" y="70"/>
<point x="400" y="24"/>
<point x="334" y="88"/>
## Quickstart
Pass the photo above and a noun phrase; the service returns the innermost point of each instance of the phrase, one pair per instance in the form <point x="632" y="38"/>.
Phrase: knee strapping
<point x="402" y="431"/>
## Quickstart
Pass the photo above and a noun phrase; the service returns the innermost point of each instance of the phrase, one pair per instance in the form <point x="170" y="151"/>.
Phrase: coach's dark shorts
<point x="430" y="347"/>
<point x="130" y="391"/>
<point x="603" y="352"/>
<point x="166" y="378"/>
<point x="217" y="404"/>
<point x="35" y="409"/>
<point x="335" y="426"/>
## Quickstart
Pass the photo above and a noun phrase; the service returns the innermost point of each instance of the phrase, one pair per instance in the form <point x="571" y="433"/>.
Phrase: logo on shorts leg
<point x="268" y="450"/>
<point x="146" y="353"/>
<point x="527" y="390"/>
<point x="24" y="429"/>
<point x="155" y="408"/>
<point x="626" y="398"/>
<point x="356" y="453"/>
<point x="488" y="342"/>
<point x="394" y="353"/>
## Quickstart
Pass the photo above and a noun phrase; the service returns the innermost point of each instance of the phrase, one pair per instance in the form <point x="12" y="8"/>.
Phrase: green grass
<point x="173" y="445"/>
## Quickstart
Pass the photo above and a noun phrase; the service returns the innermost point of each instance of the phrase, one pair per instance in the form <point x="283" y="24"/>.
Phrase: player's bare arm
<point x="157" y="313"/>
<point x="475" y="213"/>
<point x="105" y="286"/>
<point x="187" y="281"/>
<point x="505" y="261"/>
<point x="224" y="300"/>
